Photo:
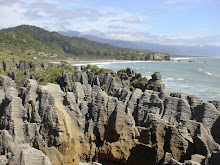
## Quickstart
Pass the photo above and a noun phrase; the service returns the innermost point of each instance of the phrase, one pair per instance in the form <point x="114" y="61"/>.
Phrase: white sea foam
<point x="180" y="58"/>
<point x="173" y="79"/>
<point x="168" y="79"/>
<point x="208" y="73"/>
<point x="211" y="74"/>
<point x="198" y="78"/>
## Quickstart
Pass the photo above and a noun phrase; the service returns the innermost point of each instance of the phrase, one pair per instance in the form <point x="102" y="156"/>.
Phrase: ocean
<point x="192" y="75"/>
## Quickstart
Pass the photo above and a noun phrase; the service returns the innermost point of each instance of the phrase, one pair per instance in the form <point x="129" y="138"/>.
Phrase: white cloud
<point x="115" y="27"/>
<point x="33" y="14"/>
<point x="128" y="19"/>
<point x="164" y="39"/>
<point x="9" y="2"/>
<point x="109" y="22"/>
<point x="131" y="19"/>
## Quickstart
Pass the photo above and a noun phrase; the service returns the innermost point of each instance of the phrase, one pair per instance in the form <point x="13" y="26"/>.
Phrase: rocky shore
<point x="110" y="118"/>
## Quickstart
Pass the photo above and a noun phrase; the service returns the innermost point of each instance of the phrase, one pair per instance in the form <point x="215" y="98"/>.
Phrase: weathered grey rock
<point x="64" y="82"/>
<point x="133" y="101"/>
<point x="23" y="65"/>
<point x="6" y="142"/>
<point x="14" y="116"/>
<point x="3" y="160"/>
<point x="91" y="76"/>
<point x="24" y="154"/>
<point x="199" y="159"/>
<point x="76" y="77"/>
<point x="87" y="124"/>
<point x="179" y="95"/>
<point x="155" y="83"/>
<point x="201" y="139"/>
<point x="84" y="78"/>
<point x="12" y="74"/>
<point x="158" y="57"/>
<point x="6" y="81"/>
<point x="156" y="76"/>
<point x="194" y="100"/>
<point x="215" y="130"/>
<point x="124" y="95"/>
<point x="174" y="162"/>
<point x="5" y="66"/>
<point x="176" y="109"/>
<point x="207" y="114"/>
<point x="96" y="80"/>
<point x="115" y="89"/>
<point x="149" y="108"/>
<point x="216" y="103"/>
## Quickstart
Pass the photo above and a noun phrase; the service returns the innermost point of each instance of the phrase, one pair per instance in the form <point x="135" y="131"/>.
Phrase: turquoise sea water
<point x="200" y="77"/>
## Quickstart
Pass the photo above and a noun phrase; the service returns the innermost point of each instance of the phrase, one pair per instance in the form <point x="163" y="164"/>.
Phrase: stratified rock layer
<point x="81" y="122"/>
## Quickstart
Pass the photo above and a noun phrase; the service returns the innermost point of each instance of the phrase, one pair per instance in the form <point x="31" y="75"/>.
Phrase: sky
<point x="168" y="22"/>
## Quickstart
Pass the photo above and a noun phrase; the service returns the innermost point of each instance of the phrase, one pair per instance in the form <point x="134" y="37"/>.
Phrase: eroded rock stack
<point x="158" y="57"/>
<point x="81" y="121"/>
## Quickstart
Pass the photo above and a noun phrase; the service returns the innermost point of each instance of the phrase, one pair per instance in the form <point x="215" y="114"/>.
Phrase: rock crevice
<point x="82" y="121"/>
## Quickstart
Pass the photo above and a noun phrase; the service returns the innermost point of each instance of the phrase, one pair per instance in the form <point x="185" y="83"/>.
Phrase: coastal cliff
<point x="158" y="57"/>
<point x="112" y="118"/>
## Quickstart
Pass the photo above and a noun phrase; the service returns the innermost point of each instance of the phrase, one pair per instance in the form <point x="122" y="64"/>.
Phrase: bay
<point x="192" y="75"/>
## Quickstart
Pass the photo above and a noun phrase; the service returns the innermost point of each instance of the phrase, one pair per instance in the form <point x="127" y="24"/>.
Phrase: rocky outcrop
<point x="91" y="117"/>
<point x="158" y="57"/>
<point x="156" y="83"/>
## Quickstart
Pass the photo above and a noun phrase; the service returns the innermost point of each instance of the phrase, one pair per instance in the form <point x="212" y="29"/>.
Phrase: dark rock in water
<point x="155" y="83"/>
<point x="156" y="76"/>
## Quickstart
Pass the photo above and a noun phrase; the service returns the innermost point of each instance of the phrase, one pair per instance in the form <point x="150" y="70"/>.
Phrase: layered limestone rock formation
<point x="158" y="57"/>
<point x="78" y="120"/>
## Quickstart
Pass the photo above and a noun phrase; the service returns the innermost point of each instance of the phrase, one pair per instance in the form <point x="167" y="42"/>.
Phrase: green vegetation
<point x="52" y="74"/>
<point x="117" y="79"/>
<point x="3" y="72"/>
<point x="18" y="43"/>
<point x="33" y="41"/>
<point x="139" y="83"/>
<point x="20" y="78"/>
<point x="105" y="87"/>
<point x="96" y="69"/>
<point x="127" y="71"/>
<point x="37" y="45"/>
<point x="152" y="87"/>
<point x="156" y="72"/>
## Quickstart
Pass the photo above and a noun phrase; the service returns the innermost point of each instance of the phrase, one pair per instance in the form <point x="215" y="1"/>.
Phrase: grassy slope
<point x="18" y="43"/>
<point x="75" y="47"/>
<point x="67" y="46"/>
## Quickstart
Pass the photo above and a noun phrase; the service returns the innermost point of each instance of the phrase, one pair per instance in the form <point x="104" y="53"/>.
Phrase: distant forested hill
<point x="18" y="42"/>
<point x="34" y="40"/>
